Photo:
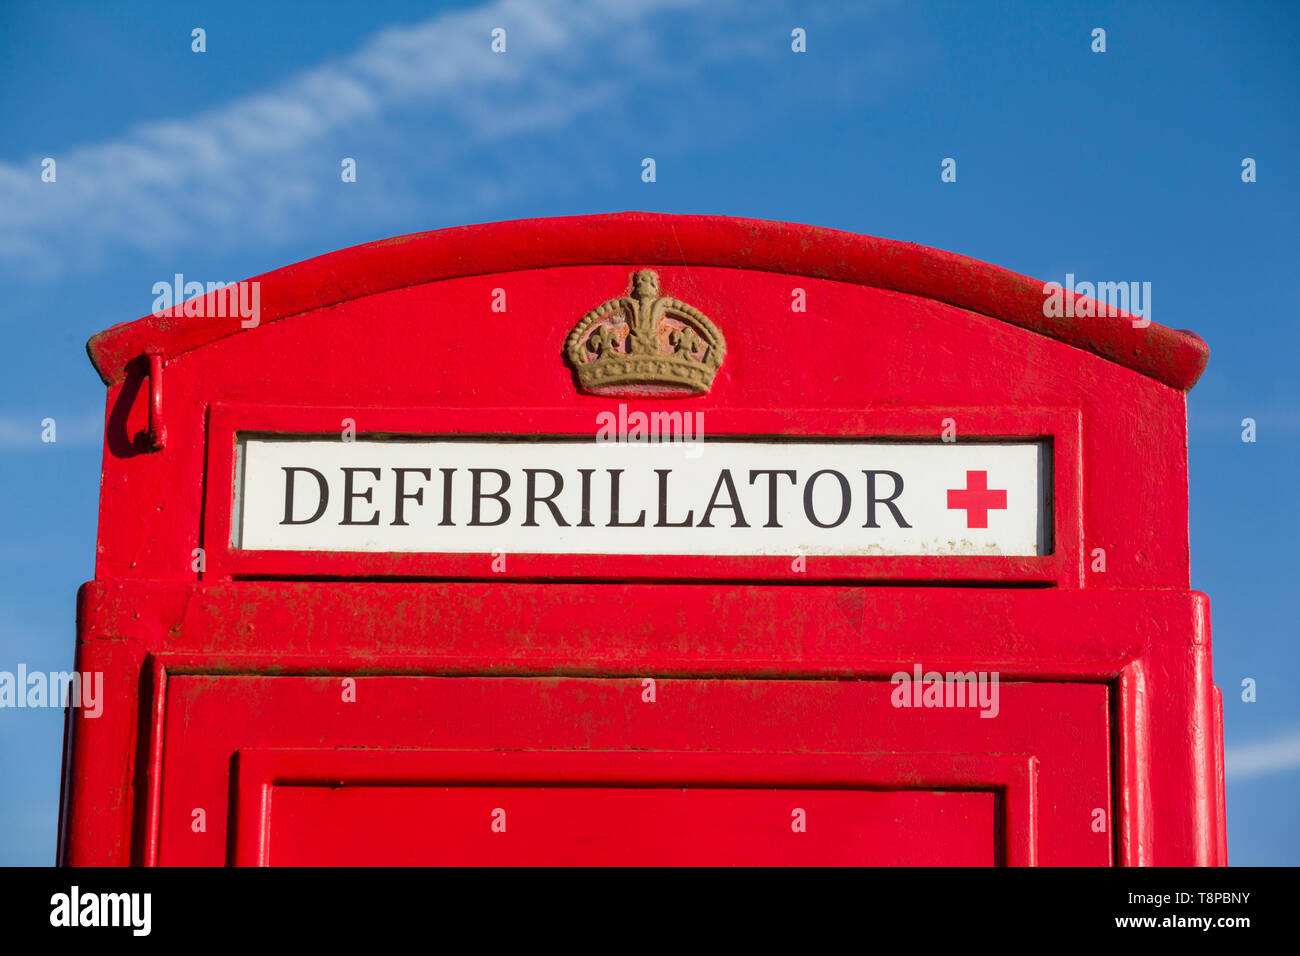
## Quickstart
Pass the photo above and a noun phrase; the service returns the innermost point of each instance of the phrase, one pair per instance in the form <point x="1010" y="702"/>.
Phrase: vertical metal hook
<point x="157" y="434"/>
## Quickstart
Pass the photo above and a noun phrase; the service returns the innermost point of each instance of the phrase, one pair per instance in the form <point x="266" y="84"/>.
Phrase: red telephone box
<point x="644" y="539"/>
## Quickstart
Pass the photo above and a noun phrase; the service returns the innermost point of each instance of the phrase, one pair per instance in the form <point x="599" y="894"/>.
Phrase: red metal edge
<point x="1175" y="358"/>
<point x="217" y="626"/>
<point x="1133" y="807"/>
<point x="100" y="781"/>
<point x="152" y="749"/>
<point x="1221" y="805"/>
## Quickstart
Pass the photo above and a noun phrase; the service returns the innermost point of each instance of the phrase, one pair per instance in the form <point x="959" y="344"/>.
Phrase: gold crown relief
<point x="645" y="344"/>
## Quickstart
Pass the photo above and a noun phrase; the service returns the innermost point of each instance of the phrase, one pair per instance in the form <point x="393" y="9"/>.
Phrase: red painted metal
<point x="572" y="807"/>
<point x="157" y="432"/>
<point x="1176" y="358"/>
<point x="223" y="668"/>
<point x="1064" y="567"/>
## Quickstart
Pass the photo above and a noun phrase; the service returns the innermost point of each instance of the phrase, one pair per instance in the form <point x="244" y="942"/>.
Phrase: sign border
<point x="1061" y="428"/>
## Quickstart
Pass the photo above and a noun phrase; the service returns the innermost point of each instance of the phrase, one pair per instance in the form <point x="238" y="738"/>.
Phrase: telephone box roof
<point x="1175" y="358"/>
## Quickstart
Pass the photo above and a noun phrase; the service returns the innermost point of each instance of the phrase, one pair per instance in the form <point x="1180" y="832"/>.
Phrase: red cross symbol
<point x="977" y="499"/>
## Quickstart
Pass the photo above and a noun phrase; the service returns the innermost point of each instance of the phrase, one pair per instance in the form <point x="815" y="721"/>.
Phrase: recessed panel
<point x="628" y="826"/>
<point x="409" y="769"/>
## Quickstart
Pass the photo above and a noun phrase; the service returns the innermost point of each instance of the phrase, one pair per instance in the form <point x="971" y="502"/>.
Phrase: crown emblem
<point x="645" y="344"/>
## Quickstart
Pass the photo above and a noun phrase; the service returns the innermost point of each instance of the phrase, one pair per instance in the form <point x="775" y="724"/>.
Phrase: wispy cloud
<point x="258" y="168"/>
<point x="1264" y="757"/>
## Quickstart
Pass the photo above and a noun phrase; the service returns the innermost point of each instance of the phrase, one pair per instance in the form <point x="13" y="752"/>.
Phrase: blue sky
<point x="1124" y="165"/>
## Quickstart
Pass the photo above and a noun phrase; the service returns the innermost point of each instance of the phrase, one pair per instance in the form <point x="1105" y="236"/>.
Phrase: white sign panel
<point x="710" y="497"/>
